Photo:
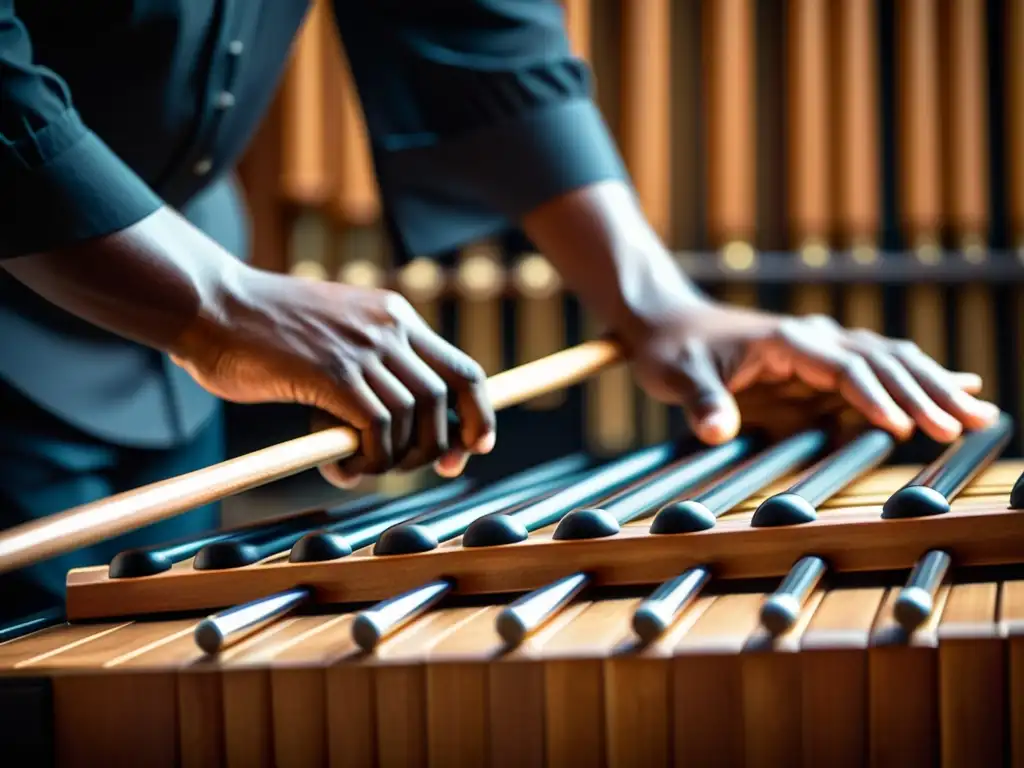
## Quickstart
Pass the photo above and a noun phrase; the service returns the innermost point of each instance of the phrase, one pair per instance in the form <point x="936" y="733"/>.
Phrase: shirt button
<point x="225" y="100"/>
<point x="203" y="167"/>
<point x="235" y="47"/>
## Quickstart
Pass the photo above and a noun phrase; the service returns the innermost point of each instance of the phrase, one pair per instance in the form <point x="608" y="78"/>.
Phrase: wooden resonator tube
<point x="360" y="249"/>
<point x="305" y="176"/>
<point x="920" y="162"/>
<point x="966" y="111"/>
<point x="540" y="306"/>
<point x="857" y="155"/>
<point x="260" y="174"/>
<point x="1014" y="44"/>
<point x="480" y="284"/>
<point x="610" y="396"/>
<point x="810" y="134"/>
<point x="645" y="133"/>
<point x="1013" y="39"/>
<point x="731" y="123"/>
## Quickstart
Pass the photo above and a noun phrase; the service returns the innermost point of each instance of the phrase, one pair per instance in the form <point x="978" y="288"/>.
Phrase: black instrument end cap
<point x="136" y="563"/>
<point x="648" y="624"/>
<point x="224" y="555"/>
<point x="406" y="540"/>
<point x="586" y="524"/>
<point x="366" y="633"/>
<point x="912" y="608"/>
<point x="494" y="531"/>
<point x="511" y="628"/>
<point x="209" y="637"/>
<point x="914" y="501"/>
<point x="319" y="547"/>
<point x="779" y="613"/>
<point x="1017" y="494"/>
<point x="784" y="509"/>
<point x="683" y="517"/>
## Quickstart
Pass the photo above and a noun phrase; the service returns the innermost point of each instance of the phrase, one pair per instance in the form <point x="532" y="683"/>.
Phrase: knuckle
<point x="822" y="320"/>
<point x="344" y="370"/>
<point x="864" y="337"/>
<point x="405" y="404"/>
<point x="396" y="306"/>
<point x="905" y="348"/>
<point x="435" y="391"/>
<point x="469" y="371"/>
<point x="380" y="421"/>
<point x="789" y="330"/>
<point x="853" y="367"/>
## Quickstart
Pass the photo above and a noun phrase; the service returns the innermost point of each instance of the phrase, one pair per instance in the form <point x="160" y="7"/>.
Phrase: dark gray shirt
<point x="476" y="109"/>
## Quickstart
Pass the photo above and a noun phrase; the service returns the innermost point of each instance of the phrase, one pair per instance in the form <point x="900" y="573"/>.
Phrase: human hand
<point x="361" y="356"/>
<point x="706" y="356"/>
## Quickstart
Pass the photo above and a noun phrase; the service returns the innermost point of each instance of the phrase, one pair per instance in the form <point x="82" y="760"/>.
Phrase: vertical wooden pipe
<point x="687" y="183"/>
<point x="857" y="153"/>
<point x="966" y="113"/>
<point x="305" y="176"/>
<point x="645" y="133"/>
<point x="577" y="26"/>
<point x="920" y="168"/>
<point x="305" y="179"/>
<point x="540" y="301"/>
<point x="480" y="283"/>
<point x="540" y="317"/>
<point x="731" y="122"/>
<point x="810" y="134"/>
<point x="1013" y="39"/>
<point x="360" y="247"/>
<point x="1014" y="44"/>
<point x="260" y="175"/>
<point x="610" y="397"/>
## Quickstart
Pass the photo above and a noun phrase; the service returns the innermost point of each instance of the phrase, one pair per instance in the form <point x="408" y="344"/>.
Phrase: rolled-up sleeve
<point x="477" y="113"/>
<point x="59" y="183"/>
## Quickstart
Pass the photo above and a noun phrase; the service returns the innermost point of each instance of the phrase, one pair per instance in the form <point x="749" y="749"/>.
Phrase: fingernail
<point x="986" y="410"/>
<point x="451" y="465"/>
<point x="902" y="422"/>
<point x="718" y="426"/>
<point x="348" y="482"/>
<point x="486" y="443"/>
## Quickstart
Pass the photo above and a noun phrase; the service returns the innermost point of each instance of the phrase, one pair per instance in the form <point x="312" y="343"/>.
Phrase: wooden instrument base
<point x="850" y="534"/>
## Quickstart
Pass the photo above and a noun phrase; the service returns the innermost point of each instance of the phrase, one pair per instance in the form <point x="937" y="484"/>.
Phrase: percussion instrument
<point x="753" y="603"/>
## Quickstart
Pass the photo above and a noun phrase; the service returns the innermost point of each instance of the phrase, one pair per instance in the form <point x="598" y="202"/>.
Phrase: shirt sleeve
<point x="477" y="113"/>
<point x="59" y="183"/>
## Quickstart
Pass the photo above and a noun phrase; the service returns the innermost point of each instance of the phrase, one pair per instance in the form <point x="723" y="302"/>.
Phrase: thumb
<point x="710" y="408"/>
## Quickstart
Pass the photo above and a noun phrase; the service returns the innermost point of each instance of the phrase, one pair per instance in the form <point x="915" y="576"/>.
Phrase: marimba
<point x="755" y="603"/>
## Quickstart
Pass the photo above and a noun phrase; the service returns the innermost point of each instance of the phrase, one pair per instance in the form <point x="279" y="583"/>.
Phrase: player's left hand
<point x="706" y="355"/>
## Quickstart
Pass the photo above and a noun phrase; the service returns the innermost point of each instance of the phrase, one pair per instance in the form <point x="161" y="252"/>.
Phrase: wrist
<point x="653" y="293"/>
<point x="220" y="286"/>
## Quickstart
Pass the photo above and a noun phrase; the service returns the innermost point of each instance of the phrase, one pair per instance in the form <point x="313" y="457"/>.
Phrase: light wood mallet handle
<point x="90" y="523"/>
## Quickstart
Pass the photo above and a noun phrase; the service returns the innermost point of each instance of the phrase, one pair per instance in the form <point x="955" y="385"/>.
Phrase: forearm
<point x="153" y="282"/>
<point x="601" y="244"/>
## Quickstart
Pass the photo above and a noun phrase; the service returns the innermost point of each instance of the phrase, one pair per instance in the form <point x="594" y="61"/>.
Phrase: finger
<point x="430" y="423"/>
<point x="401" y="405"/>
<point x="942" y="387"/>
<point x="452" y="464"/>
<point x="350" y="398"/>
<point x="467" y="381"/>
<point x="933" y="420"/>
<point x="709" y="407"/>
<point x="320" y="420"/>
<point x="337" y="477"/>
<point x="968" y="382"/>
<point x="829" y="367"/>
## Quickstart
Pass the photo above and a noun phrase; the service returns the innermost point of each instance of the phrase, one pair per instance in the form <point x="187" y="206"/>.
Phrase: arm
<point x="480" y="119"/>
<point x="80" y="227"/>
<point x="82" y="230"/>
